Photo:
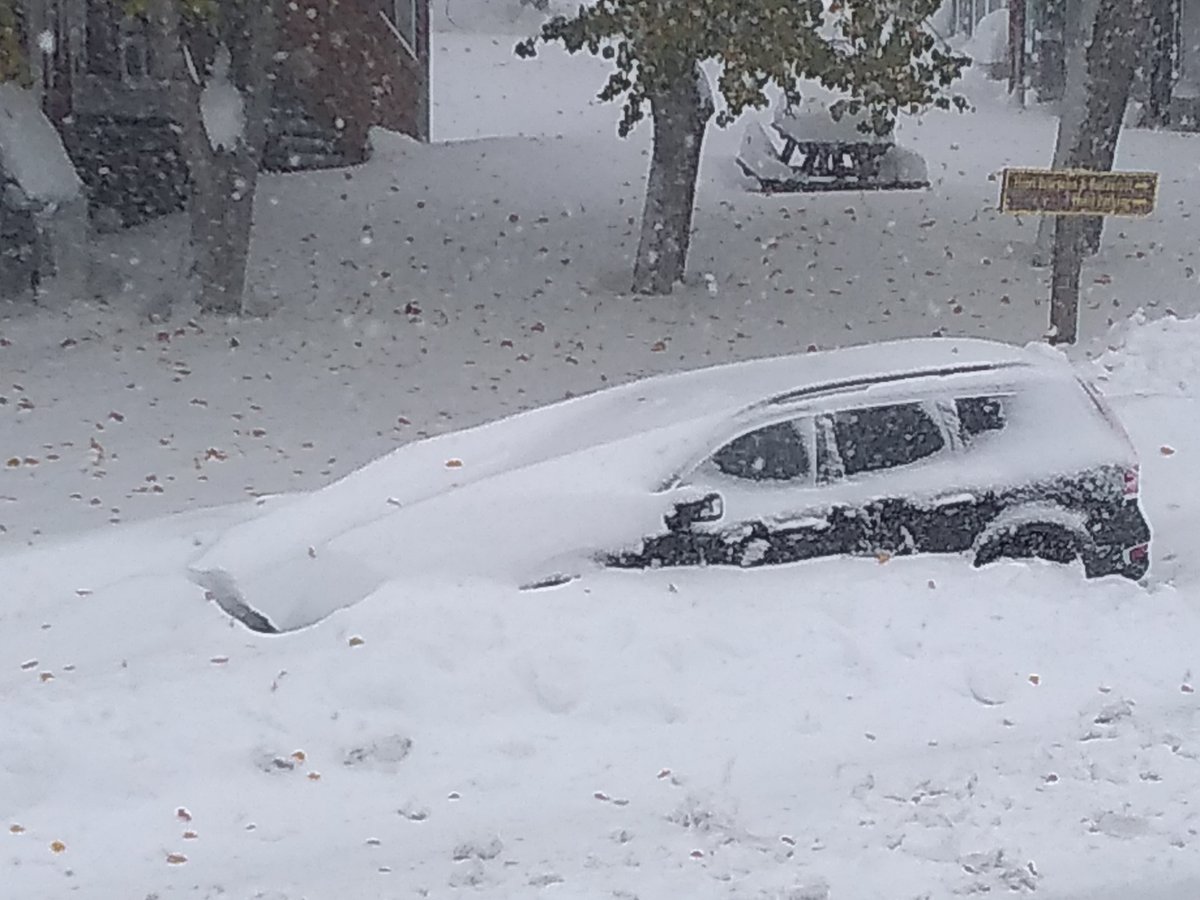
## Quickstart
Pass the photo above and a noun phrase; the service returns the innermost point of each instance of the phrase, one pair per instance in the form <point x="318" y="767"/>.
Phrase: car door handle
<point x="709" y="508"/>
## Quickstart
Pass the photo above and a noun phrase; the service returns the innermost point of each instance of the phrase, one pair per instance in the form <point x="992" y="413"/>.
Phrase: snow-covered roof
<point x="988" y="43"/>
<point x="31" y="151"/>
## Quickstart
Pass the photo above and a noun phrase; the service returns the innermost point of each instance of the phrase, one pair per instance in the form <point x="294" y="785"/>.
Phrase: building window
<point x="401" y="17"/>
<point x="118" y="44"/>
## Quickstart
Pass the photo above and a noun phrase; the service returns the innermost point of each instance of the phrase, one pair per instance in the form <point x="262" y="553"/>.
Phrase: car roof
<point x="677" y="413"/>
<point x="789" y="380"/>
<point x="869" y="374"/>
<point x="736" y="391"/>
<point x="894" y="361"/>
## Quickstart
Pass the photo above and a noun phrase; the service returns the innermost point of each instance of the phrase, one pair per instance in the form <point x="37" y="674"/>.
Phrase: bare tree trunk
<point x="1064" y="280"/>
<point x="221" y="211"/>
<point x="1017" y="10"/>
<point x="1099" y="79"/>
<point x="1112" y="35"/>
<point x="1077" y="32"/>
<point x="223" y="180"/>
<point x="1052" y="49"/>
<point x="1161" y="60"/>
<point x="680" y="119"/>
<point x="1118" y="40"/>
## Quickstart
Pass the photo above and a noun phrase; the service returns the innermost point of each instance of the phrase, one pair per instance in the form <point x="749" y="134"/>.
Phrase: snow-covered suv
<point x="937" y="445"/>
<point x="979" y="448"/>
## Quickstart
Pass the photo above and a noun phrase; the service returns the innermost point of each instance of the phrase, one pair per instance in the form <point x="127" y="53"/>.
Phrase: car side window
<point x="775" y="453"/>
<point x="884" y="437"/>
<point x="978" y="415"/>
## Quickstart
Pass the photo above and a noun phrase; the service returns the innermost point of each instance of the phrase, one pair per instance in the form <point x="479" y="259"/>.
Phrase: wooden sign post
<point x="1070" y="195"/>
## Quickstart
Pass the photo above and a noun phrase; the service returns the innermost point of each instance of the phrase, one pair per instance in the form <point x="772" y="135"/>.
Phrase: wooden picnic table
<point x="842" y="164"/>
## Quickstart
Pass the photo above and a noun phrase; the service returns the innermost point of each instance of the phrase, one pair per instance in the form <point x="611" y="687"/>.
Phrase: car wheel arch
<point x="989" y="544"/>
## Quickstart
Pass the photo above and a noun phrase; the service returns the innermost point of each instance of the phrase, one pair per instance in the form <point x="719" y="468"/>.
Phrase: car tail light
<point x="1132" y="481"/>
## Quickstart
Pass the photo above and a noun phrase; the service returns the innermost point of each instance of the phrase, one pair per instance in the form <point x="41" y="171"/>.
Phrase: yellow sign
<point x="1077" y="192"/>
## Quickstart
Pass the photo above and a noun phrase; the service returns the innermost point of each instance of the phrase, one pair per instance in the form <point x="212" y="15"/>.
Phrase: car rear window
<point x="774" y="453"/>
<point x="884" y="437"/>
<point x="978" y="415"/>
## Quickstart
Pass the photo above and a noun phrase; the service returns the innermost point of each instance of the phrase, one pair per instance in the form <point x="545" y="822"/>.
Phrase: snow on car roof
<point x="787" y="378"/>
<point x="722" y="392"/>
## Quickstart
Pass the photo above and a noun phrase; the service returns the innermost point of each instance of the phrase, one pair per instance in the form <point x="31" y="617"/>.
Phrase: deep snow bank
<point x="834" y="729"/>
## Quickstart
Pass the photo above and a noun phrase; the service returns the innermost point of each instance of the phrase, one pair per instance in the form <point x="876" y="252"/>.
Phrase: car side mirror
<point x="709" y="508"/>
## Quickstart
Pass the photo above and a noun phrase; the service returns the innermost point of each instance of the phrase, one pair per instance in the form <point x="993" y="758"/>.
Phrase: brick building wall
<point x="353" y="69"/>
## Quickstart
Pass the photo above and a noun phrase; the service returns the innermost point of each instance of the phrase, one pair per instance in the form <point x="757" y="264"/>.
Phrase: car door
<point x="769" y="509"/>
<point x="969" y="496"/>
<point x="880" y="465"/>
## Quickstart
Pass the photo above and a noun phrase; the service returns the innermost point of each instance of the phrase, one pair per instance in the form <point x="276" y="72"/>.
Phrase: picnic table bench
<point x="819" y="153"/>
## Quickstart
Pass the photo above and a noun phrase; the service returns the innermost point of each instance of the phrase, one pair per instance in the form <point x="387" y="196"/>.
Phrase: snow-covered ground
<point x="441" y="286"/>
<point x="835" y="729"/>
<point x="839" y="729"/>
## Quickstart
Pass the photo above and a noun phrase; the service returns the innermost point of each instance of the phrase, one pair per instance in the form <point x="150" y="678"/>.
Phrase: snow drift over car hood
<point x="505" y="500"/>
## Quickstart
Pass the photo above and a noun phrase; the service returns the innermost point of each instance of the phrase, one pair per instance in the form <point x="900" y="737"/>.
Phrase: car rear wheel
<point x="1036" y="540"/>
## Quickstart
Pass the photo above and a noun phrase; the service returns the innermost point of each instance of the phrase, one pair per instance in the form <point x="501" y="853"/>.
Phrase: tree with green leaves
<point x="878" y="54"/>
<point x="12" y="54"/>
<point x="1104" y="44"/>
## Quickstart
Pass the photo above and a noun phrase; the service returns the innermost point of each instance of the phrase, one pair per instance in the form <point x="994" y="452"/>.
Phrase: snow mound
<point x="31" y="151"/>
<point x="900" y="165"/>
<point x="222" y="107"/>
<point x="988" y="45"/>
<point x="498" y="16"/>
<point x="710" y="726"/>
<point x="840" y="729"/>
<point x="1153" y="357"/>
